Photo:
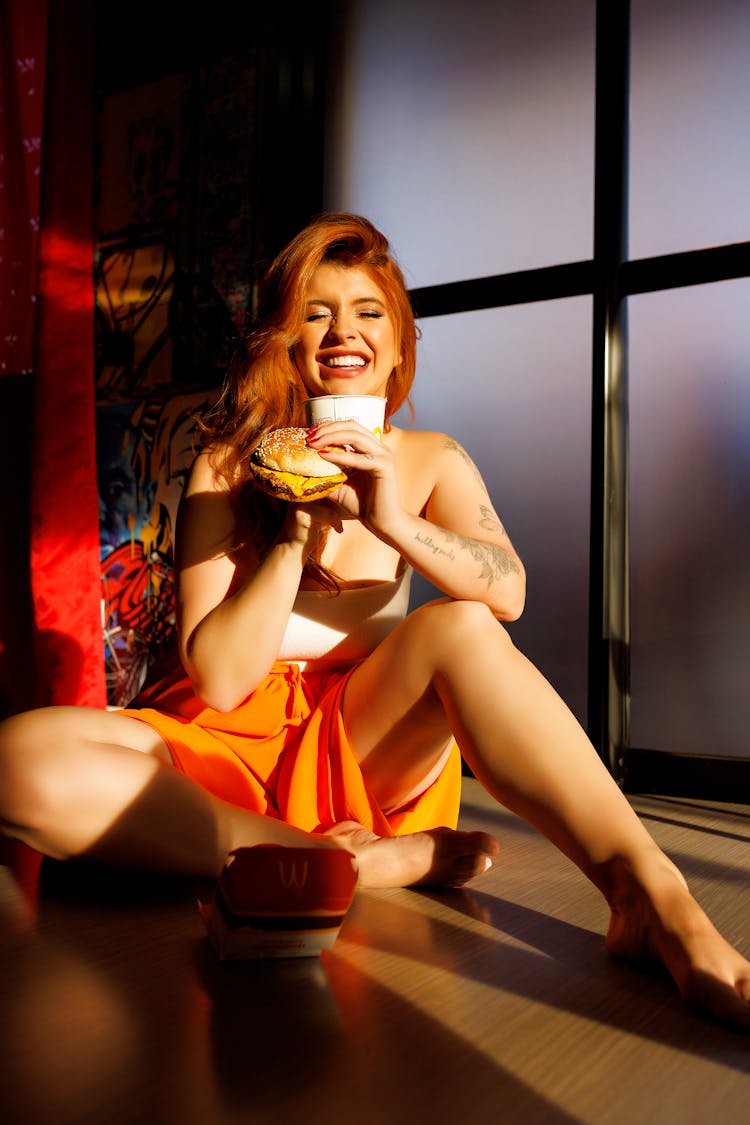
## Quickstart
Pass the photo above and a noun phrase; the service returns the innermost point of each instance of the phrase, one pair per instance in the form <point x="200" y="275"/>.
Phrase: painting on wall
<point x="144" y="451"/>
<point x="190" y="134"/>
<point x="177" y="231"/>
<point x="173" y="286"/>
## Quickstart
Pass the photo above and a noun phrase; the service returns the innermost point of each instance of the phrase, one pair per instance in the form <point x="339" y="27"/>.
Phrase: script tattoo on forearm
<point x="495" y="562"/>
<point x="436" y="549"/>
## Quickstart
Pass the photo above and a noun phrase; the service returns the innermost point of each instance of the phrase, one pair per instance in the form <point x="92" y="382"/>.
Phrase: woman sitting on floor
<point x="310" y="707"/>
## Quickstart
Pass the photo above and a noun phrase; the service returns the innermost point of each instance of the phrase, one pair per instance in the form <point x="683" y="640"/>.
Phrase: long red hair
<point x="263" y="389"/>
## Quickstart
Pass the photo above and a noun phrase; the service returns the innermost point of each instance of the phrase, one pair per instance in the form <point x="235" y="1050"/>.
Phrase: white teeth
<point x="345" y="361"/>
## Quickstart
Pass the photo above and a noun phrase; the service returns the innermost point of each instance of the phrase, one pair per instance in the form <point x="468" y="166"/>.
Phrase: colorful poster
<point x="144" y="452"/>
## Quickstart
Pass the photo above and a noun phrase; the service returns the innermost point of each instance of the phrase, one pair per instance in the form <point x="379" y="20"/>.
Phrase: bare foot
<point x="440" y="857"/>
<point x="665" y="924"/>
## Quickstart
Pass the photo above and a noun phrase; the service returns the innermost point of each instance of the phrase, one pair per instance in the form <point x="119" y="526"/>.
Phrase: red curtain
<point x="65" y="576"/>
<point x="22" y="65"/>
<point x="47" y="80"/>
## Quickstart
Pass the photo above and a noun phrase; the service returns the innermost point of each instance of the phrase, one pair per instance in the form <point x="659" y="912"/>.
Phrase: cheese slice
<point x="298" y="484"/>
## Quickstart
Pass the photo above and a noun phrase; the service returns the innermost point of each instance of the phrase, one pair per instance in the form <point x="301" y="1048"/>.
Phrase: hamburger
<point x="285" y="466"/>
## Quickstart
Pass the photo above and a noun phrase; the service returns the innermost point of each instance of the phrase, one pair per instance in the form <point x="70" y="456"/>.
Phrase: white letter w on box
<point x="291" y="877"/>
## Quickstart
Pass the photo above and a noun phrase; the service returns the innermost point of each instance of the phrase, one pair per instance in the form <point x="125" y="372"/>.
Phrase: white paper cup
<point x="368" y="410"/>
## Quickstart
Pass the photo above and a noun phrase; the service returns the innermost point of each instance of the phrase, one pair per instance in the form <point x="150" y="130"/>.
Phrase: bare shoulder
<point x="438" y="451"/>
<point x="456" y="453"/>
<point x="204" y="476"/>
<point x="419" y="443"/>
<point x="207" y="522"/>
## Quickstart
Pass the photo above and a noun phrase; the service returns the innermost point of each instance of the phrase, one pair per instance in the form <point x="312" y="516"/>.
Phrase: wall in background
<point x="470" y="143"/>
<point x="194" y="119"/>
<point x="690" y="381"/>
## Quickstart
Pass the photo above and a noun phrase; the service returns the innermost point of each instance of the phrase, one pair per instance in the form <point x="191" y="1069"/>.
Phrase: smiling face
<point x="347" y="344"/>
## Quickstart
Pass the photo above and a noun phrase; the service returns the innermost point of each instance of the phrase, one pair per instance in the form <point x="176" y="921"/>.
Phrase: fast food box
<point x="275" y="901"/>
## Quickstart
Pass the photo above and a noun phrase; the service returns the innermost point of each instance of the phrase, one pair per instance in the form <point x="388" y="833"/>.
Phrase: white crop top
<point x="346" y="626"/>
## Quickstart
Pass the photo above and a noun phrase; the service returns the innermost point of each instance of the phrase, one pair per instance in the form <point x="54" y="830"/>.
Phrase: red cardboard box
<point x="274" y="901"/>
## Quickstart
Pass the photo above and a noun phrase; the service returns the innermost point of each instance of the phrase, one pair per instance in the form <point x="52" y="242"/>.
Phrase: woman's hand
<point x="371" y="492"/>
<point x="308" y="525"/>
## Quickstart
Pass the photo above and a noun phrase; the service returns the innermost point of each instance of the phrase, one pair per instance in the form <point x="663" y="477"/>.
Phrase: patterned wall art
<point x="192" y="133"/>
<point x="173" y="286"/>
<point x="144" y="451"/>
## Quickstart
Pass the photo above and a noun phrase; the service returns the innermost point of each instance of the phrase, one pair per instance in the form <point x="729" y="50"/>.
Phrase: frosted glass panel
<point x="690" y="519"/>
<point x="466" y="132"/>
<point x="513" y="386"/>
<point x="690" y="103"/>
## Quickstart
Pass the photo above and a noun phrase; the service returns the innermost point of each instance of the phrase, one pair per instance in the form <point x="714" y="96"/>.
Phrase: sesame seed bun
<point x="287" y="467"/>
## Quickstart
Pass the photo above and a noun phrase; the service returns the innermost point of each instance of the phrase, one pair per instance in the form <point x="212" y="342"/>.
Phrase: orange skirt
<point x="285" y="752"/>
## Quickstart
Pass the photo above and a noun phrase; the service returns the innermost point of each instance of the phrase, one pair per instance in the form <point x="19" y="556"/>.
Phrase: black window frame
<point x="610" y="277"/>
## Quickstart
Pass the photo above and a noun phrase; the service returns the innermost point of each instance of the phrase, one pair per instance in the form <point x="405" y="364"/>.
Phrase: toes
<point x="469" y="866"/>
<point x="486" y="844"/>
<point x="726" y="1004"/>
<point x="455" y="870"/>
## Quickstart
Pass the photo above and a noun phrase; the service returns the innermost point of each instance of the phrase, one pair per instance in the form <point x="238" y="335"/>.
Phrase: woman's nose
<point x="341" y="328"/>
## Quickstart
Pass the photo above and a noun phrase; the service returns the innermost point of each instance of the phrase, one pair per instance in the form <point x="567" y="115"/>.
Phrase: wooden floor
<point x="494" y="1004"/>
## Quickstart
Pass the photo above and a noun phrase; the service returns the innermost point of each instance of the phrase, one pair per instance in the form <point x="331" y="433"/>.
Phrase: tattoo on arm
<point x="495" y="562"/>
<point x="435" y="547"/>
<point x="489" y="521"/>
<point x="451" y="444"/>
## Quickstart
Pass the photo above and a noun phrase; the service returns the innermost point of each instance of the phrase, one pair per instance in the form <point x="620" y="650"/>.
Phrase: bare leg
<point x="80" y="782"/>
<point x="457" y="665"/>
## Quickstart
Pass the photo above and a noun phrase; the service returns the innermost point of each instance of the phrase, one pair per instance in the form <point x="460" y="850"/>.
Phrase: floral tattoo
<point x="495" y="561"/>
